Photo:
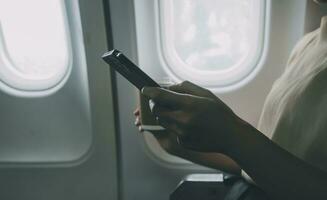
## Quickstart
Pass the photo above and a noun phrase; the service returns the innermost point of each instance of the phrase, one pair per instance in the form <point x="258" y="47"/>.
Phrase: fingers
<point x="137" y="112"/>
<point x="165" y="97"/>
<point x="137" y="121"/>
<point x="171" y="126"/>
<point x="171" y="120"/>
<point x="187" y="87"/>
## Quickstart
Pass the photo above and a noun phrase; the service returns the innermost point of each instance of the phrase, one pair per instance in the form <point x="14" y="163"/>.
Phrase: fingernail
<point x="151" y="105"/>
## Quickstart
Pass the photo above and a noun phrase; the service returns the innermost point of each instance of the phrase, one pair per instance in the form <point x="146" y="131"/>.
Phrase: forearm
<point x="276" y="171"/>
<point x="212" y="160"/>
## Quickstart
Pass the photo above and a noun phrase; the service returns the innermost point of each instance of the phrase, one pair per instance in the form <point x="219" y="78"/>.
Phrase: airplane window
<point x="212" y="43"/>
<point x="34" y="45"/>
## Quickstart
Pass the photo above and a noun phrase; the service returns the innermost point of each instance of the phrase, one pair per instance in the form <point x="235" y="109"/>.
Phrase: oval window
<point x="214" y="43"/>
<point x="35" y="52"/>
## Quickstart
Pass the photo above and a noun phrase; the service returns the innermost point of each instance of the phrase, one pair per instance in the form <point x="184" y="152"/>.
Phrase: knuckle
<point x="183" y="83"/>
<point x="186" y="82"/>
<point x="208" y="93"/>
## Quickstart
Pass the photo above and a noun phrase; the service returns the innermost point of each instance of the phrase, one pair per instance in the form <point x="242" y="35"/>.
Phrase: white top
<point x="295" y="111"/>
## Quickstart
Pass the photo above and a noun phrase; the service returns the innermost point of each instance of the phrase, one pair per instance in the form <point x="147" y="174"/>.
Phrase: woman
<point x="290" y="165"/>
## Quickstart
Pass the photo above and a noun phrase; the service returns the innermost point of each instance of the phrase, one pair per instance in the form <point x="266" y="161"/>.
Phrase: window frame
<point x="224" y="85"/>
<point x="11" y="82"/>
<point x="72" y="141"/>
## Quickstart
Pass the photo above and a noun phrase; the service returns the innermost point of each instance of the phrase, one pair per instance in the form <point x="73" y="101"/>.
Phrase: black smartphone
<point x="128" y="69"/>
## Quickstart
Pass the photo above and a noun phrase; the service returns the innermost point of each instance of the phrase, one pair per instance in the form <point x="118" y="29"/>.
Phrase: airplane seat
<point x="216" y="187"/>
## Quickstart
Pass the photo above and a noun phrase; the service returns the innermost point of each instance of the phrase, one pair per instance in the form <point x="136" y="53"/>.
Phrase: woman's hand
<point x="166" y="139"/>
<point x="201" y="121"/>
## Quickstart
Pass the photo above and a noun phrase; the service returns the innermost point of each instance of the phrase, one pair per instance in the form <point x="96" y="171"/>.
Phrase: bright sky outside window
<point x="211" y="42"/>
<point x="34" y="44"/>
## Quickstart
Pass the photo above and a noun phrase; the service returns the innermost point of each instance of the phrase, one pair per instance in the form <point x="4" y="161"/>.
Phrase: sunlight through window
<point x="34" y="43"/>
<point x="211" y="42"/>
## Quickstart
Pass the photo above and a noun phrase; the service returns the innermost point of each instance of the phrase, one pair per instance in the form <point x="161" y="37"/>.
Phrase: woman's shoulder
<point x="302" y="45"/>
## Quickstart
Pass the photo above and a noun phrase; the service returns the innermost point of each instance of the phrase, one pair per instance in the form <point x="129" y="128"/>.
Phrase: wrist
<point x="238" y="137"/>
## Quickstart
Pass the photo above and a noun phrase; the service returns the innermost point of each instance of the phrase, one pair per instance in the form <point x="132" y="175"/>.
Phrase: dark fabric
<point x="254" y="193"/>
<point x="242" y="190"/>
